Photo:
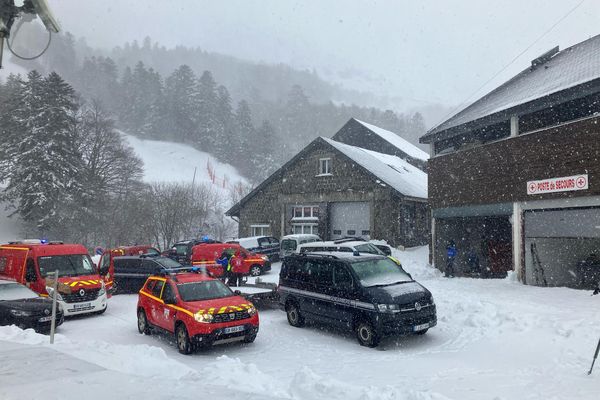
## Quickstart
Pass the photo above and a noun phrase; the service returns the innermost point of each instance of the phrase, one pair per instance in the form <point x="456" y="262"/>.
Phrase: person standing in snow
<point x="451" y="253"/>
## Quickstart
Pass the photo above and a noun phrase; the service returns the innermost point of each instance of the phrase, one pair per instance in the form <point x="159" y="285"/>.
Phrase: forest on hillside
<point x="252" y="116"/>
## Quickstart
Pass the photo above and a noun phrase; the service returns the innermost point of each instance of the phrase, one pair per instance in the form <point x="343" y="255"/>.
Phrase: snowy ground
<point x="496" y="339"/>
<point x="175" y="162"/>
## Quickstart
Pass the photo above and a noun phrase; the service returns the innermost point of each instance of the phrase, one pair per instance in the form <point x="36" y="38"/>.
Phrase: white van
<point x="291" y="243"/>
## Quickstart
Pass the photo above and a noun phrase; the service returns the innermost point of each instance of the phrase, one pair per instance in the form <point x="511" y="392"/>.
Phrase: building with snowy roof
<point x="338" y="190"/>
<point x="514" y="178"/>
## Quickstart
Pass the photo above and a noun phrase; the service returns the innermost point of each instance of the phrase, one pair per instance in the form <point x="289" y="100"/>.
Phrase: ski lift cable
<point x="511" y="62"/>
<point x="23" y="57"/>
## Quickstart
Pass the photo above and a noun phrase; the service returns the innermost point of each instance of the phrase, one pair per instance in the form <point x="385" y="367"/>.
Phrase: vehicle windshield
<point x="379" y="272"/>
<point x="67" y="265"/>
<point x="16" y="291"/>
<point x="168" y="263"/>
<point x="369" y="249"/>
<point x="197" y="291"/>
<point x="181" y="249"/>
<point x="288" y="244"/>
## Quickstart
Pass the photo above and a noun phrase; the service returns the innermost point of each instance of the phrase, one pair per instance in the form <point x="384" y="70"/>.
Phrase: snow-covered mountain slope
<point x="175" y="162"/>
<point x="163" y="162"/>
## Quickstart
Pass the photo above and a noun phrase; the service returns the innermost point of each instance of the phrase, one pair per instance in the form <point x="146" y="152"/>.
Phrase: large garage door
<point x="562" y="247"/>
<point x="350" y="219"/>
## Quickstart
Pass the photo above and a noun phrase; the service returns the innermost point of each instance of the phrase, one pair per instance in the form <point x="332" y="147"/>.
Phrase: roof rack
<point x="316" y="254"/>
<point x="349" y="239"/>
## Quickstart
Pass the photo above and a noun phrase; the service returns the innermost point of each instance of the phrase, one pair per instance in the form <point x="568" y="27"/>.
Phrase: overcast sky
<point x="422" y="51"/>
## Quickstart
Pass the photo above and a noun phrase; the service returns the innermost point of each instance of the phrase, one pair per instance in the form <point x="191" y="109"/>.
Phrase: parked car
<point x="24" y="308"/>
<point x="182" y="250"/>
<point x="80" y="288"/>
<point x="106" y="267"/>
<point x="369" y="294"/>
<point x="199" y="310"/>
<point x="266" y="245"/>
<point x="290" y="243"/>
<point x="251" y="263"/>
<point x="131" y="272"/>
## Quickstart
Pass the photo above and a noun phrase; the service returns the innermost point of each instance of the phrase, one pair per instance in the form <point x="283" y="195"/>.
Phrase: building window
<point x="260" y="230"/>
<point x="311" y="228"/>
<point x="306" y="212"/>
<point x="325" y="166"/>
<point x="305" y="219"/>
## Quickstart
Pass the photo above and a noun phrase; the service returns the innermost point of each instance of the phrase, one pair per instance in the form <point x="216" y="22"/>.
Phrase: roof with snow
<point x="391" y="170"/>
<point x="551" y="73"/>
<point x="396" y="141"/>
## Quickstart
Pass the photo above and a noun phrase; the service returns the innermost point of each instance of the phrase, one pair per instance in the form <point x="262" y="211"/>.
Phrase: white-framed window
<point x="298" y="228"/>
<point x="305" y="213"/>
<point x="260" y="229"/>
<point x="324" y="166"/>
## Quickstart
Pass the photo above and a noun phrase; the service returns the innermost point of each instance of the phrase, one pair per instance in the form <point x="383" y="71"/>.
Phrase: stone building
<point x="336" y="189"/>
<point x="514" y="178"/>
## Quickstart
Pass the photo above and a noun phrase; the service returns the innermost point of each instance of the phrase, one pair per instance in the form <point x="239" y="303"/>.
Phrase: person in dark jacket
<point x="451" y="253"/>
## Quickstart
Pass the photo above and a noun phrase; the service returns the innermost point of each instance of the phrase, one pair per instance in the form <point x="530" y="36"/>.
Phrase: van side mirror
<point x="237" y="292"/>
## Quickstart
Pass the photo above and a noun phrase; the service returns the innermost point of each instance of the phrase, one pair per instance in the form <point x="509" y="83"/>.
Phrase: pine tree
<point x="181" y="102"/>
<point x="264" y="162"/>
<point x="207" y="106"/>
<point x="242" y="152"/>
<point x="44" y="178"/>
<point x="226" y="136"/>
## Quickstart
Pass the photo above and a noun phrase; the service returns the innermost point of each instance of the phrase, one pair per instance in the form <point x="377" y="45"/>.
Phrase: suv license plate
<point x="234" y="329"/>
<point x="418" y="328"/>
<point x="46" y="319"/>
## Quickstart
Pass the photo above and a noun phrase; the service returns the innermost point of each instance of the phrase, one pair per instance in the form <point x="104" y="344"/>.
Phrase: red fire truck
<point x="245" y="263"/>
<point x="33" y="263"/>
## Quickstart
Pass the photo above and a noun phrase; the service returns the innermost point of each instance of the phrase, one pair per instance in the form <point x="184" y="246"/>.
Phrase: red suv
<point x="199" y="310"/>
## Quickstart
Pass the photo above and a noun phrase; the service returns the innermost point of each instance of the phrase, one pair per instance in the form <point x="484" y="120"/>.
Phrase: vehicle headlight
<point x="252" y="310"/>
<point x="203" y="318"/>
<point x="51" y="291"/>
<point x="20" y="313"/>
<point x="265" y="258"/>
<point x="388" y="307"/>
<point x="102" y="290"/>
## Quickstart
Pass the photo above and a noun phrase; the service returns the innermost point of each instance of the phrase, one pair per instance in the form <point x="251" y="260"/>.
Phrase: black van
<point x="131" y="272"/>
<point x="370" y="294"/>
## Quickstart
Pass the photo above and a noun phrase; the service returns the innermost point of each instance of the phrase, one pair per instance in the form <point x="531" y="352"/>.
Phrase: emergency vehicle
<point x="198" y="309"/>
<point x="106" y="265"/>
<point x="33" y="262"/>
<point x="243" y="263"/>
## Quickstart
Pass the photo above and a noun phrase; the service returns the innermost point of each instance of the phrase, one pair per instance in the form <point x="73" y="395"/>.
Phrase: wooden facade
<point x="498" y="172"/>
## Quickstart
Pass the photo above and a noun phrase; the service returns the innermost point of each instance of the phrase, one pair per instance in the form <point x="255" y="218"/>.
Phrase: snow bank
<point x="153" y="362"/>
<point x="414" y="261"/>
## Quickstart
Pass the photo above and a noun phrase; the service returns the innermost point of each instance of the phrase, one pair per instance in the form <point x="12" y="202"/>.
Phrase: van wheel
<point x="143" y="326"/>
<point x="294" y="316"/>
<point x="366" y="335"/>
<point x="255" y="270"/>
<point x="183" y="339"/>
